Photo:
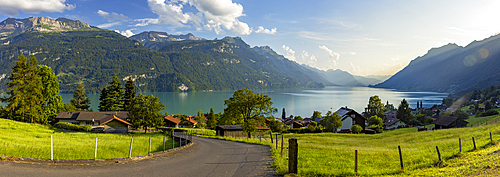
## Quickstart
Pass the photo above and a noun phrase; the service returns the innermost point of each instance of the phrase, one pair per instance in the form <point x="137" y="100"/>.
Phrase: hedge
<point x="70" y="126"/>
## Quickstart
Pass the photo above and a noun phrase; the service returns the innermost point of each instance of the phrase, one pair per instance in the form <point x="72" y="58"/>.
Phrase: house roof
<point x="112" y="117"/>
<point x="67" y="115"/>
<point x="173" y="119"/>
<point x="98" y="116"/>
<point x="391" y="121"/>
<point x="344" y="112"/>
<point x="238" y="127"/>
<point x="445" y="120"/>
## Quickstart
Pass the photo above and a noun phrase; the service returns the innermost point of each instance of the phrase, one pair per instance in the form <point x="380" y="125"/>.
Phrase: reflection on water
<point x="295" y="101"/>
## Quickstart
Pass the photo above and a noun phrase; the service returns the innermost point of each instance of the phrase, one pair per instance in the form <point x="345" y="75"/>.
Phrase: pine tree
<point x="283" y="114"/>
<point x="129" y="93"/>
<point x="103" y="104"/>
<point x="201" y="120"/>
<point x="212" y="120"/>
<point x="80" y="99"/>
<point x="404" y="112"/>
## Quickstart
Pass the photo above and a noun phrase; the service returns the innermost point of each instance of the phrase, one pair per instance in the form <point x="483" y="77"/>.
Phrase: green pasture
<point x="33" y="141"/>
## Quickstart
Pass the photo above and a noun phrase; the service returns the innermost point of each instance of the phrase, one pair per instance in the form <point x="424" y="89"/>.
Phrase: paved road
<point x="207" y="157"/>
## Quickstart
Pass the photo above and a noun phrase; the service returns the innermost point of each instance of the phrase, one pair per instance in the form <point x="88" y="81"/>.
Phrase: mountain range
<point x="451" y="69"/>
<point x="157" y="61"/>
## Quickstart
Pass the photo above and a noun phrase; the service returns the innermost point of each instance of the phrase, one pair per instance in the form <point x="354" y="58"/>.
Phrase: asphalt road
<point x="206" y="157"/>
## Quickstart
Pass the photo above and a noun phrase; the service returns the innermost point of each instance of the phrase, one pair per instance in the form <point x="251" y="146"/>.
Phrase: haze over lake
<point x="295" y="101"/>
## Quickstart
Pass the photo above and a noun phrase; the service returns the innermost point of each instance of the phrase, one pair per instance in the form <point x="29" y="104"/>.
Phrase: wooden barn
<point x="443" y="122"/>
<point x="235" y="130"/>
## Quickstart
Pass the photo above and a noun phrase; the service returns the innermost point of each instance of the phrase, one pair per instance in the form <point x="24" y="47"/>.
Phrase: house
<point x="393" y="123"/>
<point x="294" y="124"/>
<point x="188" y="123"/>
<point x="350" y="117"/>
<point x="114" y="124"/>
<point x="171" y="121"/>
<point x="88" y="118"/>
<point x="443" y="122"/>
<point x="236" y="130"/>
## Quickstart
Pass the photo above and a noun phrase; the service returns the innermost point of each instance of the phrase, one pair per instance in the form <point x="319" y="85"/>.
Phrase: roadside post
<point x="51" y="148"/>
<point x="149" y="148"/>
<point x="95" y="154"/>
<point x="293" y="154"/>
<point x="130" y="151"/>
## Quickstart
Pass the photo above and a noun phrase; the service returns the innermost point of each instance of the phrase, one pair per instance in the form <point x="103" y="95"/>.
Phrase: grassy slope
<point x="33" y="141"/>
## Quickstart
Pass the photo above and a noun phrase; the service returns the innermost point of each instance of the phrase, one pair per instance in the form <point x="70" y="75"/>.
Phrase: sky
<point x="368" y="37"/>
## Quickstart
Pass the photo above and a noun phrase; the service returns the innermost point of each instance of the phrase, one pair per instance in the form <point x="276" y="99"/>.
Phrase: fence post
<point x="271" y="135"/>
<point x="173" y="142"/>
<point x="356" y="161"/>
<point x="491" y="138"/>
<point x="401" y="158"/>
<point x="460" y="144"/>
<point x="130" y="151"/>
<point x="293" y="154"/>
<point x="95" y="154"/>
<point x="149" y="148"/>
<point x="276" y="141"/>
<point x="439" y="154"/>
<point x="260" y="136"/>
<point x="474" y="142"/>
<point x="282" y="139"/>
<point x="51" y="148"/>
<point x="163" y="144"/>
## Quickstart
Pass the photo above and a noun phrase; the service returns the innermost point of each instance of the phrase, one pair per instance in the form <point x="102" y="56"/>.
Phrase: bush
<point x="356" y="128"/>
<point x="70" y="126"/>
<point x="377" y="128"/>
<point x="488" y="113"/>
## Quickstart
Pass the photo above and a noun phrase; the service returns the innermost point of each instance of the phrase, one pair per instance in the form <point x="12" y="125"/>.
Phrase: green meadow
<point x="26" y="140"/>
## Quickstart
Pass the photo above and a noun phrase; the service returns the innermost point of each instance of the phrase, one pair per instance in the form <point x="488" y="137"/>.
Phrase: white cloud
<point x="107" y="25"/>
<point x="352" y="53"/>
<point x="358" y="70"/>
<point x="331" y="54"/>
<point x="112" y="16"/>
<point x="146" y="21"/>
<point x="266" y="31"/>
<point x="290" y="54"/>
<point x="309" y="59"/>
<point x="126" y="33"/>
<point x="213" y="15"/>
<point x="12" y="7"/>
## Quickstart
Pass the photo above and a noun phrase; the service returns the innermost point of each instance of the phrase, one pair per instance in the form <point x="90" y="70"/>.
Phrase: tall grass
<point x="33" y="141"/>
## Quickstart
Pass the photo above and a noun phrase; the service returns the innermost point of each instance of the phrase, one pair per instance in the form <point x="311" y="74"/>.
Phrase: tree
<point x="316" y="114"/>
<point x="25" y="91"/>
<point x="145" y="112"/>
<point x="487" y="106"/>
<point x="113" y="99"/>
<point x="298" y="118"/>
<point x="277" y="126"/>
<point x="376" y="123"/>
<point x="447" y="102"/>
<point x="423" y="119"/>
<point x="103" y="105"/>
<point x="404" y="112"/>
<point x="129" y="93"/>
<point x="212" y="119"/>
<point x="80" y="100"/>
<point x="201" y="120"/>
<point x="460" y="114"/>
<point x="252" y="108"/>
<point x="283" y="114"/>
<point x="375" y="107"/>
<point x="51" y="102"/>
<point x="356" y="128"/>
<point x="331" y="122"/>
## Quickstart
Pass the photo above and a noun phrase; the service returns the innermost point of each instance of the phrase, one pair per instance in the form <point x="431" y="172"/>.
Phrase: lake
<point x="295" y="101"/>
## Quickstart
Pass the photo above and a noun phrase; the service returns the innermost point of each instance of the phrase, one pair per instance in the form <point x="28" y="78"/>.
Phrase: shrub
<point x="356" y="128"/>
<point x="377" y="128"/>
<point x="488" y="113"/>
<point x="70" y="126"/>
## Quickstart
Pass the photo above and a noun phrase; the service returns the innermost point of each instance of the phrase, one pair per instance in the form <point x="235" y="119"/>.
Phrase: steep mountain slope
<point x="451" y="69"/>
<point x="156" y="40"/>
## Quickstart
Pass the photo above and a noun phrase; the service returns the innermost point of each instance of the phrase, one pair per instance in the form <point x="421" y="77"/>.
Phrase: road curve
<point x="206" y="157"/>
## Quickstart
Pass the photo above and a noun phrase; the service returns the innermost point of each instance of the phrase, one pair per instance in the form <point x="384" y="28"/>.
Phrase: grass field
<point x="33" y="141"/>
<point x="332" y="154"/>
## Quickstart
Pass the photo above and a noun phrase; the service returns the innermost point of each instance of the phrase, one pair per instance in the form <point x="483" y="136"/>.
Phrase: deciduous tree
<point x="250" y="107"/>
<point x="404" y="112"/>
<point x="201" y="120"/>
<point x="331" y="122"/>
<point x="145" y="112"/>
<point x="375" y="107"/>
<point x="316" y="114"/>
<point x="51" y="102"/>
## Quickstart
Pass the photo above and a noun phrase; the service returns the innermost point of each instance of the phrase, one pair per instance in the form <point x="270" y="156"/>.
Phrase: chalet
<point x="113" y="122"/>
<point x="443" y="122"/>
<point x="350" y="117"/>
<point x="188" y="123"/>
<point x="393" y="123"/>
<point x="171" y="121"/>
<point x="294" y="124"/>
<point x="235" y="130"/>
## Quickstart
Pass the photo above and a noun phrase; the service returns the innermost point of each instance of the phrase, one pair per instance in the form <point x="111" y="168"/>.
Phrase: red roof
<point x="173" y="119"/>
<point x="113" y="117"/>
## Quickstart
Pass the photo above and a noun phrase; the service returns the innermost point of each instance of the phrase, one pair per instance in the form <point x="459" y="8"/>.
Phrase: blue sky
<point x="361" y="37"/>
